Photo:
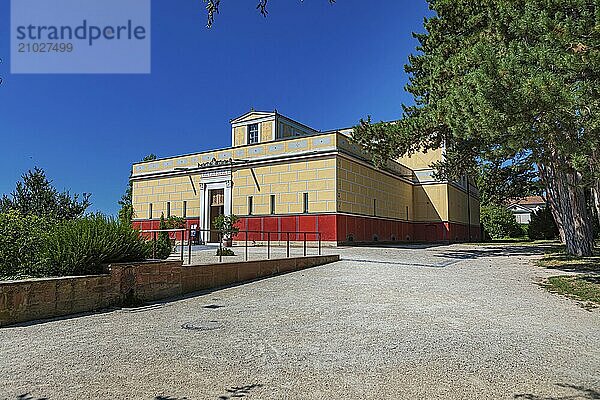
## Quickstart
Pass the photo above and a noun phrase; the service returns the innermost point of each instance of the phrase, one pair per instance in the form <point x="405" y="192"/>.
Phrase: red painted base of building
<point x="341" y="229"/>
<point x="144" y="225"/>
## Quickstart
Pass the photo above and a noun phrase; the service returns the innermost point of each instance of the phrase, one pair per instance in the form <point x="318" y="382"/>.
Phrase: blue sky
<point x="326" y="66"/>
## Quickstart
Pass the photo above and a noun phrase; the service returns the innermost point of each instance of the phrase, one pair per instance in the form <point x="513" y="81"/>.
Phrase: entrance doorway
<point x="217" y="207"/>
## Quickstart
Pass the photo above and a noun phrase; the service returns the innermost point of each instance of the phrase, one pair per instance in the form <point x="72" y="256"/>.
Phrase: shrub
<point x="499" y="222"/>
<point x="21" y="240"/>
<point x="542" y="225"/>
<point x="226" y="224"/>
<point x="174" y="222"/>
<point x="164" y="245"/>
<point x="224" y="251"/>
<point x="84" y="246"/>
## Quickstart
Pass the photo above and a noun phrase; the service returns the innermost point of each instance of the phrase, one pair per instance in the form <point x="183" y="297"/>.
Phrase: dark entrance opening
<point x="217" y="207"/>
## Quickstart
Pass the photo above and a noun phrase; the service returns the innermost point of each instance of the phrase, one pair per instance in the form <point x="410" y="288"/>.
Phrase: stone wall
<point x="132" y="283"/>
<point x="27" y="300"/>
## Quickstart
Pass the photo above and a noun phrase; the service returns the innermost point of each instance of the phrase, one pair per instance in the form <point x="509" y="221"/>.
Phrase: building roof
<point x="254" y="114"/>
<point x="526" y="202"/>
<point x="257" y="114"/>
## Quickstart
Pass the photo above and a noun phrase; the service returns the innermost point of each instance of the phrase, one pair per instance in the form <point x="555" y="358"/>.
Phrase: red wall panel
<point x="338" y="228"/>
<point x="327" y="225"/>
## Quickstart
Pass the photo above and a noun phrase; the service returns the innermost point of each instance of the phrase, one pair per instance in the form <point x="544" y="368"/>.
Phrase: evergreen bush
<point x="164" y="244"/>
<point x="22" y="238"/>
<point x="499" y="223"/>
<point x="542" y="225"/>
<point x="224" y="251"/>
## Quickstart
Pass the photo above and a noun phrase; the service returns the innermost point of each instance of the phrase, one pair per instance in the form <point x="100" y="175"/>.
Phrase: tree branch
<point x="212" y="9"/>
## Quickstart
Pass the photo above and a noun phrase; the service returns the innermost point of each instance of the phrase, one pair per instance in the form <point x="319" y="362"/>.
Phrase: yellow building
<point x="283" y="176"/>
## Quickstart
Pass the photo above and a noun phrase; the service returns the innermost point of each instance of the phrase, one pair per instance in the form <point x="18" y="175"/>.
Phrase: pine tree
<point x="164" y="246"/>
<point x="35" y="195"/>
<point x="212" y="9"/>
<point x="499" y="80"/>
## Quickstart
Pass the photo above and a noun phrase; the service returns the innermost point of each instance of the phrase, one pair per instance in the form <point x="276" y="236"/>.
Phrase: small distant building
<point x="280" y="175"/>
<point x="524" y="207"/>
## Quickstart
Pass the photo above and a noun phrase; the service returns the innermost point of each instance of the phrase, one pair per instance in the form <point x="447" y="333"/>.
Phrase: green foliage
<point x="22" y="238"/>
<point x="35" y="195"/>
<point x="212" y="9"/>
<point x="226" y="224"/>
<point x="499" y="182"/>
<point x="34" y="246"/>
<point x="542" y="225"/>
<point x="85" y="246"/>
<point x="150" y="157"/>
<point x="499" y="81"/>
<point x="126" y="212"/>
<point x="499" y="222"/>
<point x="174" y="222"/>
<point x="164" y="245"/>
<point x="224" y="251"/>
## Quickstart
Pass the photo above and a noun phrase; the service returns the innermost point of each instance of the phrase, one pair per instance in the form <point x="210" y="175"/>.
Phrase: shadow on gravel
<point x="393" y="245"/>
<point x="564" y="262"/>
<point x="27" y="396"/>
<point x="504" y="251"/>
<point x="453" y="256"/>
<point x="582" y="393"/>
<point x="236" y="392"/>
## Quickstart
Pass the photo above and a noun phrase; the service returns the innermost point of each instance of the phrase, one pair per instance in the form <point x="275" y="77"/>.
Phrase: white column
<point x="203" y="211"/>
<point x="228" y="199"/>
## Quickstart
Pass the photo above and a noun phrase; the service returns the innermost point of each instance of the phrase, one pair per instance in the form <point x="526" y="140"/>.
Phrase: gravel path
<point x="448" y="322"/>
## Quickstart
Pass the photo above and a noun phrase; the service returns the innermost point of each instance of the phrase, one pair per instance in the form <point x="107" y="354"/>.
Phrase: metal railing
<point x="305" y="235"/>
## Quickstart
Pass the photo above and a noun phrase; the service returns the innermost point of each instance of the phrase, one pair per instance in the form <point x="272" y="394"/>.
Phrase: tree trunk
<point x="556" y="214"/>
<point x="596" y="199"/>
<point x="567" y="201"/>
<point x="547" y="176"/>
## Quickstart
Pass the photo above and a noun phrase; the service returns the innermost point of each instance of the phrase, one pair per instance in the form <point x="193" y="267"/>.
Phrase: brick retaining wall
<point x="28" y="300"/>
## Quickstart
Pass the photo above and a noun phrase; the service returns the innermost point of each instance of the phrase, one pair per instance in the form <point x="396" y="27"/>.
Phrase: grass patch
<point x="564" y="262"/>
<point x="583" y="288"/>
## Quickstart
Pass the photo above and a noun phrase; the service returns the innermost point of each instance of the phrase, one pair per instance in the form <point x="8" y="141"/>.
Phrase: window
<point x="249" y="205"/>
<point x="407" y="213"/>
<point x="168" y="209"/>
<point x="272" y="204"/>
<point x="374" y="207"/>
<point x="184" y="209"/>
<point x="305" y="203"/>
<point x="252" y="133"/>
<point x="150" y="211"/>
